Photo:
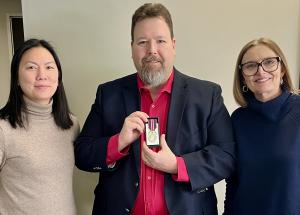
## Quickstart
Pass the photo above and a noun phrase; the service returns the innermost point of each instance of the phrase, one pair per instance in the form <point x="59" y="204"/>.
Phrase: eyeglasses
<point x="268" y="65"/>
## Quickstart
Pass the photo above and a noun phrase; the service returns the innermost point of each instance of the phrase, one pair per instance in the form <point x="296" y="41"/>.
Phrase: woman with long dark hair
<point x="36" y="136"/>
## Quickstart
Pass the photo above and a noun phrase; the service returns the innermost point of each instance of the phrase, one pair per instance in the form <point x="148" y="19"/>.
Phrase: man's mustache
<point x="151" y="58"/>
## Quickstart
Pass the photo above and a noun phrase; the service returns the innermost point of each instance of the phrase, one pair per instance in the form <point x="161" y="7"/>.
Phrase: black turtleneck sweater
<point x="267" y="177"/>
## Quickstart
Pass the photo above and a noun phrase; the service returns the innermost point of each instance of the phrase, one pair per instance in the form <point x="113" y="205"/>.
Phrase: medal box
<point x="152" y="132"/>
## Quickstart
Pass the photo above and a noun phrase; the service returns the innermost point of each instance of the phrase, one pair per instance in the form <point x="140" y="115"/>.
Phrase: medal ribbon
<point x="152" y="124"/>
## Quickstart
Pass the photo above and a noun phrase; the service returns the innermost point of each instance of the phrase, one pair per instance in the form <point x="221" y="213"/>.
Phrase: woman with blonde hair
<point x="267" y="132"/>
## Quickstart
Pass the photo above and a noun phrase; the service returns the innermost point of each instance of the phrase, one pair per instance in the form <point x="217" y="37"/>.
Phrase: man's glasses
<point x="268" y="65"/>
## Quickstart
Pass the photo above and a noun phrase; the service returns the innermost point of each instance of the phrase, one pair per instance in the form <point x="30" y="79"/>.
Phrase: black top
<point x="267" y="179"/>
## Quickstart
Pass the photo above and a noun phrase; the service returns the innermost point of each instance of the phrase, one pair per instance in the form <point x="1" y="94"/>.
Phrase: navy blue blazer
<point x="198" y="129"/>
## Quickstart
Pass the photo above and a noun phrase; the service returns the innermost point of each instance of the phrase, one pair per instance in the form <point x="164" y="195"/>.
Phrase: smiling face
<point x="153" y="51"/>
<point x="264" y="85"/>
<point x="38" y="75"/>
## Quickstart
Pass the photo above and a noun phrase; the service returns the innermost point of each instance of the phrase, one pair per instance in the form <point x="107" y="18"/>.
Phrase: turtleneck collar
<point x="35" y="110"/>
<point x="271" y="109"/>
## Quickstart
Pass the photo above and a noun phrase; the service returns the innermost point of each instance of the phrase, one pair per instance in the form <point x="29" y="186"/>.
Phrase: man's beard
<point x="152" y="77"/>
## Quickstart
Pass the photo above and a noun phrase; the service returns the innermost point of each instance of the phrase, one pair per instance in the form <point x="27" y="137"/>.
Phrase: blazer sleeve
<point x="91" y="144"/>
<point x="215" y="161"/>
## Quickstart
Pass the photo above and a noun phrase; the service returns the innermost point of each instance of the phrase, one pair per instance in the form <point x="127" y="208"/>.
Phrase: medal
<point x="152" y="132"/>
<point x="152" y="136"/>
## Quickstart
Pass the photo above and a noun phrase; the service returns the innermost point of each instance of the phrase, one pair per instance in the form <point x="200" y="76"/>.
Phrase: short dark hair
<point x="12" y="111"/>
<point x="151" y="10"/>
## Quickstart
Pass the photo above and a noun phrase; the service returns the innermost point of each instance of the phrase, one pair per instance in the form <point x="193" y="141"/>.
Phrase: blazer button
<point x="202" y="190"/>
<point x="127" y="210"/>
<point x="136" y="184"/>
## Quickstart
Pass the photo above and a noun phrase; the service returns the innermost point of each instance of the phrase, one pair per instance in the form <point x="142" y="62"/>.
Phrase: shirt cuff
<point x="182" y="175"/>
<point x="113" y="153"/>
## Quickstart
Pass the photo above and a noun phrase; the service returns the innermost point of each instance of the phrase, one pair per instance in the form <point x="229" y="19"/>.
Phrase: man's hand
<point x="163" y="160"/>
<point x="133" y="127"/>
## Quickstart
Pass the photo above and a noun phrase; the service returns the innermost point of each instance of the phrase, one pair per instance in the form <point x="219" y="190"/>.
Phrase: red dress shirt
<point x="151" y="198"/>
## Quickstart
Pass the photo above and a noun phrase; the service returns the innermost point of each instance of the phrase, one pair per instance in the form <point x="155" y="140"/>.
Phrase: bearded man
<point x="184" y="117"/>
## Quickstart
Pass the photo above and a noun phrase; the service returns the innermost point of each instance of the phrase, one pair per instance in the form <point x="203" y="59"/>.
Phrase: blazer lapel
<point x="131" y="99"/>
<point x="177" y="105"/>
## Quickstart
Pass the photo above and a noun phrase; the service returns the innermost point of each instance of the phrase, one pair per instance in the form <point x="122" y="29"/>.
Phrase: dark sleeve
<point x="215" y="161"/>
<point x="231" y="187"/>
<point x="91" y="145"/>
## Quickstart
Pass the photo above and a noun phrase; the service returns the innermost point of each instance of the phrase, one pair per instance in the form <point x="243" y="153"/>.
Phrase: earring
<point x="245" y="88"/>
<point x="281" y="81"/>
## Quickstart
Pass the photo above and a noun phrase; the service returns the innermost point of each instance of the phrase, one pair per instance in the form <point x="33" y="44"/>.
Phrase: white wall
<point x="11" y="7"/>
<point x="93" y="41"/>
